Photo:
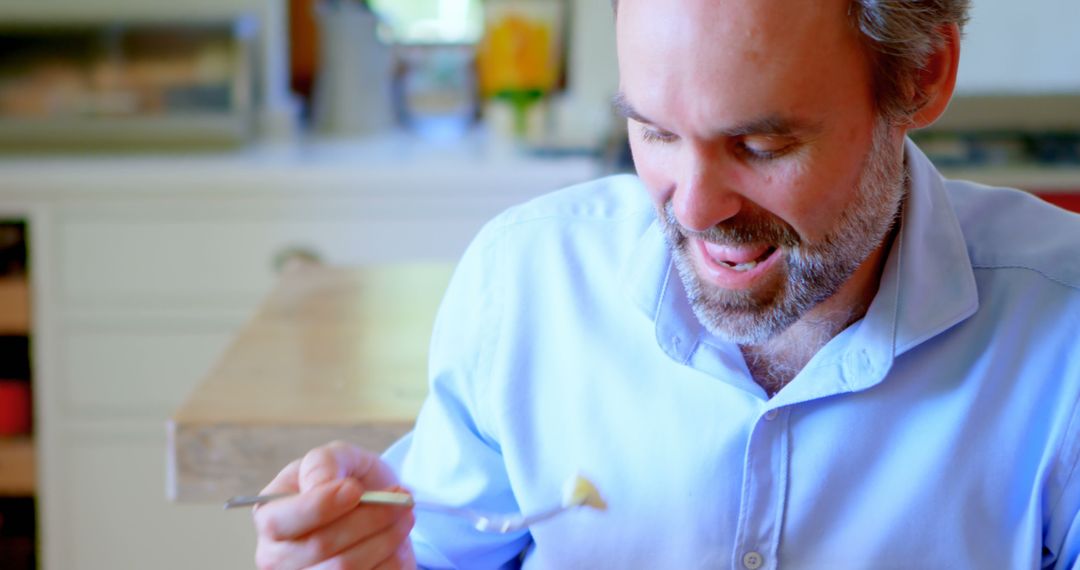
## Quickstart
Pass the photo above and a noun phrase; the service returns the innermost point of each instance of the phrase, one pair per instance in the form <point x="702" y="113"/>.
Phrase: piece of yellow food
<point x="579" y="491"/>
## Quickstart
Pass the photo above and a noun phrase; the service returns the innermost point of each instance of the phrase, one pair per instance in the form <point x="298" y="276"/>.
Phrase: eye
<point x="651" y="135"/>
<point x="764" y="147"/>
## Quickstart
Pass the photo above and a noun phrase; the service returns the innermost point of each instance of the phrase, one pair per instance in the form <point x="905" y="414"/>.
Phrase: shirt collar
<point x="927" y="286"/>
<point x="652" y="284"/>
<point x="936" y="288"/>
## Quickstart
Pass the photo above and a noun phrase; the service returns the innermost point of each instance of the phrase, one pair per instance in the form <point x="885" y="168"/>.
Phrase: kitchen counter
<point x="392" y="166"/>
<point x="332" y="354"/>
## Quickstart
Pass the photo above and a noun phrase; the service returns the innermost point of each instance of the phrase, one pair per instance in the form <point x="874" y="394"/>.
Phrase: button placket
<point x="763" y="492"/>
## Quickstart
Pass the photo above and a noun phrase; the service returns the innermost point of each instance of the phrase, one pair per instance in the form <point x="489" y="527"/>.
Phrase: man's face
<point x="753" y="126"/>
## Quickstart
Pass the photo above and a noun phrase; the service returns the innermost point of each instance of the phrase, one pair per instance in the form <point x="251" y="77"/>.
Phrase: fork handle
<point x="394" y="498"/>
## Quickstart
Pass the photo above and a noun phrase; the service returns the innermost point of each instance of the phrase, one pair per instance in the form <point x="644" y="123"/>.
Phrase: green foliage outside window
<point x="431" y="21"/>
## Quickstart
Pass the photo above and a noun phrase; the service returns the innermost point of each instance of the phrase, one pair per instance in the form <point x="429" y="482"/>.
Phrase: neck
<point x="774" y="363"/>
<point x="777" y="361"/>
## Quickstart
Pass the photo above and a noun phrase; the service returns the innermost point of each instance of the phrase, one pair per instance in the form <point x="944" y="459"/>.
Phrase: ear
<point x="937" y="80"/>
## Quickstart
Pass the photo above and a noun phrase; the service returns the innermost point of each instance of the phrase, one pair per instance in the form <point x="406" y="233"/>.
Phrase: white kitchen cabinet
<point x="144" y="268"/>
<point x="114" y="369"/>
<point x="229" y="254"/>
<point x="117" y="516"/>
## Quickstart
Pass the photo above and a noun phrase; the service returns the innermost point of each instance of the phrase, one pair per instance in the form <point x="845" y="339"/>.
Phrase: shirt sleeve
<point x="452" y="456"/>
<point x="1062" y="536"/>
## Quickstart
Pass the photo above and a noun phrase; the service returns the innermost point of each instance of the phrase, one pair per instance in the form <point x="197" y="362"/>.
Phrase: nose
<point x="705" y="194"/>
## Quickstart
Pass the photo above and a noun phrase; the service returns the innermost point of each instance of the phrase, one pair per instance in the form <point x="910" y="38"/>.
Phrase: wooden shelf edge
<point x="17" y="467"/>
<point x="14" y="306"/>
<point x="210" y="463"/>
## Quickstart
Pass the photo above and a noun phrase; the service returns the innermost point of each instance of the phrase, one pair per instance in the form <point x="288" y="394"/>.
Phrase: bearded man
<point x="787" y="343"/>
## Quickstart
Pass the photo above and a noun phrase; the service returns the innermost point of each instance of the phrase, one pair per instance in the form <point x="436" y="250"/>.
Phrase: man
<point x="807" y="350"/>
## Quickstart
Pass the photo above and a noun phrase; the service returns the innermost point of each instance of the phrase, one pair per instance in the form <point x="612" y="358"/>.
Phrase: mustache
<point x="746" y="228"/>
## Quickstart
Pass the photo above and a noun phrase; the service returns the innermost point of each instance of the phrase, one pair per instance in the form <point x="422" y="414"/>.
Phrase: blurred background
<point x="161" y="161"/>
<point x="111" y="73"/>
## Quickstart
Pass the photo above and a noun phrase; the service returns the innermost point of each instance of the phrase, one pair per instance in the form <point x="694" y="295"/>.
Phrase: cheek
<point x="830" y="186"/>
<point x="813" y="198"/>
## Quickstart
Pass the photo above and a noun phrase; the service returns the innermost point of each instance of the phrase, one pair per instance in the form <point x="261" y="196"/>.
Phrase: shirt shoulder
<point x="613" y="198"/>
<point x="1007" y="228"/>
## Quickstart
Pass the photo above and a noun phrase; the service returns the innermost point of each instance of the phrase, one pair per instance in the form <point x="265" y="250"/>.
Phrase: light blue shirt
<point x="939" y="431"/>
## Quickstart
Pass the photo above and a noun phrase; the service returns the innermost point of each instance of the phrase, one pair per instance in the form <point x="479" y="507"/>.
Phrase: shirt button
<point x="771" y="414"/>
<point x="752" y="561"/>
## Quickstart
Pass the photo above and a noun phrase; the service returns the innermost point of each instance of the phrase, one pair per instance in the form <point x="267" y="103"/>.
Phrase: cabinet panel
<point x="175" y="262"/>
<point x="119" y="517"/>
<point x="136" y="372"/>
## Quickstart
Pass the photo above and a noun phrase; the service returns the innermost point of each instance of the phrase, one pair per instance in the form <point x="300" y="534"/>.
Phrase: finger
<point x="373" y="551"/>
<point x="402" y="558"/>
<point x="339" y="459"/>
<point x="293" y="517"/>
<point x="364" y="524"/>
<point x="286" y="481"/>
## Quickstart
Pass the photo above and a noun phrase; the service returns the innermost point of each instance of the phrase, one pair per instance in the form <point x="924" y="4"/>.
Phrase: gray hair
<point x="900" y="35"/>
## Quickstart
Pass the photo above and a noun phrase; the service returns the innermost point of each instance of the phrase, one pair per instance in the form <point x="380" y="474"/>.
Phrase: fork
<point x="499" y="523"/>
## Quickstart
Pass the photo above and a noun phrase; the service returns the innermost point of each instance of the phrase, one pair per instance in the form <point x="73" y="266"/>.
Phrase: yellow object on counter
<point x="520" y="48"/>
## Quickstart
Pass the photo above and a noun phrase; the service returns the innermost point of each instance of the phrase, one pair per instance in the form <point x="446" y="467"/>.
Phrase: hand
<point x="325" y="526"/>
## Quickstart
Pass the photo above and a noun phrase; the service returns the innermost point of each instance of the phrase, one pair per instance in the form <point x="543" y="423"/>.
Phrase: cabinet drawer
<point x="171" y="263"/>
<point x="136" y="372"/>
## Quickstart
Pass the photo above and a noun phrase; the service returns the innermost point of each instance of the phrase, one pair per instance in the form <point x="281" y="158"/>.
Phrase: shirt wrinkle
<point x="491" y="249"/>
<point x="1040" y="272"/>
<point x="1072" y="464"/>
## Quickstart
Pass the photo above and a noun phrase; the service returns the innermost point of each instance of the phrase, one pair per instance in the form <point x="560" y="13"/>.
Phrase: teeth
<point x="742" y="266"/>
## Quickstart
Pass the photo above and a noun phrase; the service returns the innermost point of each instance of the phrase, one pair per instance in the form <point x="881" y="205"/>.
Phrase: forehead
<point x="712" y="58"/>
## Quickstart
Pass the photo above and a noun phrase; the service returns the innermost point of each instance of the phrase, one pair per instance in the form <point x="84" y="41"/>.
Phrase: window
<point x="431" y="21"/>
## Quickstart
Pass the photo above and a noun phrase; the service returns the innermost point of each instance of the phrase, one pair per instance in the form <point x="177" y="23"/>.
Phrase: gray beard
<point x="813" y="271"/>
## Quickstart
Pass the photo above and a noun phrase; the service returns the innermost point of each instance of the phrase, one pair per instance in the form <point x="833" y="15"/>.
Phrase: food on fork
<point x="579" y="491"/>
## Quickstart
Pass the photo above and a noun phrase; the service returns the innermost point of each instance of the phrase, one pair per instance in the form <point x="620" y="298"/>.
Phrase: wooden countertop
<point x="332" y="354"/>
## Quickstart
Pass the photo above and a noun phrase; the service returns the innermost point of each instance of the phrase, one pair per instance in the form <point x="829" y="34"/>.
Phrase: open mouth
<point x="734" y="267"/>
<point x="746" y="265"/>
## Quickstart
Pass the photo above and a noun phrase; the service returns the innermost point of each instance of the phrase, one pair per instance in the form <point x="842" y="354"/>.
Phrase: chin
<point x="744" y="316"/>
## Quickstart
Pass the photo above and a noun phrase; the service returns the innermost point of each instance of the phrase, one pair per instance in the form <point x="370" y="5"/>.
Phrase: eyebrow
<point x="767" y="125"/>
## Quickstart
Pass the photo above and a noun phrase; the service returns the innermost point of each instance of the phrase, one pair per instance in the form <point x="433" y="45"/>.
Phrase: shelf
<point x="199" y="129"/>
<point x="1035" y="178"/>
<point x="14" y="306"/>
<point x="17" y="473"/>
